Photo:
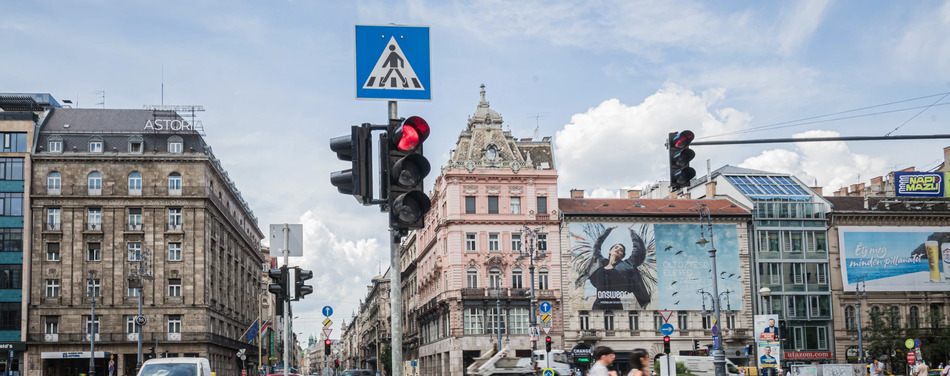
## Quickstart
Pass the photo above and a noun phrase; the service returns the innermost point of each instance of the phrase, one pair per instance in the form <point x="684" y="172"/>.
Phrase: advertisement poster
<point x="895" y="258"/>
<point x="769" y="354"/>
<point x="919" y="184"/>
<point x="766" y="328"/>
<point x="646" y="266"/>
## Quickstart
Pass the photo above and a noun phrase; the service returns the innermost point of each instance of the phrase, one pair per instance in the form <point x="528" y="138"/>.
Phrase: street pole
<point x="857" y="296"/>
<point x="498" y="312"/>
<point x="395" y="283"/>
<point x="92" y="334"/>
<point x="719" y="357"/>
<point x="286" y="355"/>
<point x="532" y="235"/>
<point x="139" y="273"/>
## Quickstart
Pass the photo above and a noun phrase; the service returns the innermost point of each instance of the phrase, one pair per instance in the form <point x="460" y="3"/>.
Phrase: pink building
<point x="494" y="188"/>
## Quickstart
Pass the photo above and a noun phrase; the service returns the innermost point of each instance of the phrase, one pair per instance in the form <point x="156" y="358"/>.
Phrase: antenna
<point x="537" y="122"/>
<point x="102" y="98"/>
<point x="163" y="85"/>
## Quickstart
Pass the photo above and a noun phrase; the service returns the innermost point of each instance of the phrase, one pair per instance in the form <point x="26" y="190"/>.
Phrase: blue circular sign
<point x="327" y="311"/>
<point x="715" y="330"/>
<point x="916" y="342"/>
<point x="666" y="329"/>
<point x="548" y="372"/>
<point x="545" y="307"/>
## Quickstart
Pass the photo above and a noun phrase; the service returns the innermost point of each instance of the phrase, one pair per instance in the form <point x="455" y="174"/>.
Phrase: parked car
<point x="934" y="372"/>
<point x="357" y="372"/>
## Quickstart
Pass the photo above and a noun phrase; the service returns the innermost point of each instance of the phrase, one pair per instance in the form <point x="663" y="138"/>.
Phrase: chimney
<point x="842" y="192"/>
<point x="711" y="189"/>
<point x="577" y="193"/>
<point x="817" y="190"/>
<point x="633" y="193"/>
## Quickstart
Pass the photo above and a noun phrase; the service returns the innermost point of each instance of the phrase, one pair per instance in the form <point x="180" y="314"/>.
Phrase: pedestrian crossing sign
<point x="392" y="63"/>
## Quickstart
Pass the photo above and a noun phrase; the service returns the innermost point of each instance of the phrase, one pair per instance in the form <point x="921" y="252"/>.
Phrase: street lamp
<point x="92" y="319"/>
<point x="719" y="357"/>
<point x="860" y="290"/>
<point x="726" y="293"/>
<point x="139" y="270"/>
<point x="532" y="254"/>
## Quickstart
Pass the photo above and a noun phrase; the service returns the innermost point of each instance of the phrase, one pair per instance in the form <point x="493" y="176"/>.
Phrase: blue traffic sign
<point x="666" y="329"/>
<point x="392" y="63"/>
<point x="715" y="330"/>
<point x="548" y="372"/>
<point x="716" y="341"/>
<point x="545" y="307"/>
<point x="327" y="311"/>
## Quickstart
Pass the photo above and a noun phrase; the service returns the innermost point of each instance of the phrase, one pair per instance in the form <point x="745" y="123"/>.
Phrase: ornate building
<point x="130" y="205"/>
<point x="467" y="261"/>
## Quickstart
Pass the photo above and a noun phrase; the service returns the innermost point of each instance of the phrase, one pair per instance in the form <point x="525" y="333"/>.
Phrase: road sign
<point x="909" y="343"/>
<point x="666" y="329"/>
<point x="141" y="320"/>
<point x="916" y="342"/>
<point x="715" y="330"/>
<point x="716" y="339"/>
<point x="547" y="329"/>
<point x="327" y="311"/>
<point x="911" y="358"/>
<point x="326" y="332"/>
<point x="545" y="307"/>
<point x="327" y="322"/>
<point x="666" y="313"/>
<point x="295" y="241"/>
<point x="548" y="372"/>
<point x="392" y="63"/>
<point x="545" y="317"/>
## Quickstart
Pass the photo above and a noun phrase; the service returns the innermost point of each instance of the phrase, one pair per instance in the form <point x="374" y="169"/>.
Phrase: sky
<point x="607" y="80"/>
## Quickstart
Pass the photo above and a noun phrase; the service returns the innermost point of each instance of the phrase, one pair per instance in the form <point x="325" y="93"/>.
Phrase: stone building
<point x="493" y="188"/>
<point x="375" y="323"/>
<point x="410" y="322"/>
<point x="122" y="194"/>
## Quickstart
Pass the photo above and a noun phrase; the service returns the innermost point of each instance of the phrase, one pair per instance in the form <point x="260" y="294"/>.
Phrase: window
<point x="52" y="251"/>
<point x="516" y="243"/>
<point x="542" y="242"/>
<point x="11" y="276"/>
<point x="469" y="204"/>
<point x="542" y="205"/>
<point x="133" y="288"/>
<point x="55" y="145"/>
<point x="707" y="322"/>
<point x="822" y="274"/>
<point x="516" y="205"/>
<point x="895" y="317"/>
<point x="470" y="243"/>
<point x="135" y="251"/>
<point x="174" y="251"/>
<point x="93" y="252"/>
<point x="494" y="278"/>
<point x="584" y="320"/>
<point x="516" y="279"/>
<point x="731" y="321"/>
<point x="93" y="288"/>
<point x="174" y="219"/>
<point x="94" y="219"/>
<point x="52" y="288"/>
<point x="130" y="326"/>
<point x="174" y="287"/>
<point x="95" y="183"/>
<point x="135" y="183"/>
<point x="11" y="169"/>
<point x="52" y="219"/>
<point x="849" y="318"/>
<point x="633" y="320"/>
<point x="174" y="184"/>
<point x="92" y="326"/>
<point x="52" y="325"/>
<point x="95" y="145"/>
<point x="936" y="319"/>
<point x="473" y="321"/>
<point x="54" y="183"/>
<point x="493" y="243"/>
<point x="913" y="317"/>
<point x="135" y="219"/>
<point x="11" y="240"/>
<point x="11" y="204"/>
<point x="682" y="319"/>
<point x="174" y="323"/>
<point x="175" y="145"/>
<point x="136" y="145"/>
<point x="543" y="280"/>
<point x="518" y="316"/>
<point x="608" y="320"/>
<point x="657" y="321"/>
<point x="492" y="204"/>
<point x="471" y="278"/>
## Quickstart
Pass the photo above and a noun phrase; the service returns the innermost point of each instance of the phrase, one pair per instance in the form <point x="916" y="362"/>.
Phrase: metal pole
<point x="719" y="357"/>
<point x="498" y="312"/>
<point x="260" y="314"/>
<point x="286" y="355"/>
<point x="532" y="315"/>
<point x="141" y="291"/>
<point x="395" y="285"/>
<point x="857" y="296"/>
<point x="92" y="334"/>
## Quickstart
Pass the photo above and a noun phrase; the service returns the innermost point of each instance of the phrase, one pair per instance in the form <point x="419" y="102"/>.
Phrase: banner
<point x="895" y="258"/>
<point x="645" y="266"/>
<point x="920" y="184"/>
<point x="766" y="331"/>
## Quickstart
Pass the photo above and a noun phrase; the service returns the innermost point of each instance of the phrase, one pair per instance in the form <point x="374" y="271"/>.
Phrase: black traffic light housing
<point x="279" y="285"/>
<point x="680" y="155"/>
<point x="547" y="343"/>
<point x="405" y="168"/>
<point x="695" y="344"/>
<point x="300" y="289"/>
<point x="666" y="345"/>
<point x="355" y="148"/>
<point x="326" y="346"/>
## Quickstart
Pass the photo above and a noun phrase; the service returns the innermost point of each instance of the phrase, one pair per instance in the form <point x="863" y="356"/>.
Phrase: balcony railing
<point x="155" y="190"/>
<point x="135" y="227"/>
<point x="122" y="337"/>
<point x="174" y="227"/>
<point x="52" y="226"/>
<point x="94" y="226"/>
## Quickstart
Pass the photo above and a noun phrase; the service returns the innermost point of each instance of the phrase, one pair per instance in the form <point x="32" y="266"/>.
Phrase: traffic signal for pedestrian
<point x="695" y="344"/>
<point x="326" y="347"/>
<point x="356" y="149"/>
<point x="666" y="345"/>
<point x="547" y="343"/>
<point x="279" y="285"/>
<point x="300" y="288"/>
<point x="680" y="155"/>
<point x="405" y="168"/>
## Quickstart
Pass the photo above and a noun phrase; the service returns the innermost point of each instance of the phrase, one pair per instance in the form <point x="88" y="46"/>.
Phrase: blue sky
<point x="607" y="79"/>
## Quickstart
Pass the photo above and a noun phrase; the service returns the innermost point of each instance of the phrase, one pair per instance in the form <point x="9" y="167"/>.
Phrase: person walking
<point x="922" y="369"/>
<point x="876" y="368"/>
<point x="604" y="358"/>
<point x="640" y="360"/>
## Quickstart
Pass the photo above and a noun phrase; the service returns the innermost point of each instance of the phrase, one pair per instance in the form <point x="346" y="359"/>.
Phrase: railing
<point x="154" y="190"/>
<point x="52" y="226"/>
<point x="473" y="292"/>
<point x="135" y="227"/>
<point x="117" y="337"/>
<point x="94" y="226"/>
<point x="174" y="227"/>
<point x="589" y="334"/>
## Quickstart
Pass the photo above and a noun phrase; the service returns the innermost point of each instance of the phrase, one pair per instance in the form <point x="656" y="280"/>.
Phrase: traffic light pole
<point x="286" y="302"/>
<point x="395" y="285"/>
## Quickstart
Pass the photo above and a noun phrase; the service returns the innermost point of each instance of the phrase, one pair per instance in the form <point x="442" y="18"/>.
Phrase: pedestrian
<point x="946" y="370"/>
<point x="640" y="360"/>
<point x="876" y="368"/>
<point x="604" y="357"/>
<point x="922" y="369"/>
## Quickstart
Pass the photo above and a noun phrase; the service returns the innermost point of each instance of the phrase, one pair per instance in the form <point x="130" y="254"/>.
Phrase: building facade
<point x="494" y="192"/>
<point x="133" y="210"/>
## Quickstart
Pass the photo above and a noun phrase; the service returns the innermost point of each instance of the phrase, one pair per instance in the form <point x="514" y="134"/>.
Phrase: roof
<point x="647" y="207"/>
<point x="97" y="120"/>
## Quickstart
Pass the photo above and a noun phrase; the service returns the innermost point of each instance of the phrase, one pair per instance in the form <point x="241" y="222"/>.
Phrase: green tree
<point x="387" y="358"/>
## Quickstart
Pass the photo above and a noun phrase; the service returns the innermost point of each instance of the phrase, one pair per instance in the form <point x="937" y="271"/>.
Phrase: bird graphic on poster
<point x="668" y="248"/>
<point x="732" y="275"/>
<point x="673" y="283"/>
<point x="679" y="252"/>
<point x="677" y="303"/>
<point x="675" y="292"/>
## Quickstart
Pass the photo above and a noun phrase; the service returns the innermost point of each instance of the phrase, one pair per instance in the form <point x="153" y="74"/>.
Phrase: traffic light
<point x="547" y="343"/>
<point x="336" y="363"/>
<point x="666" y="345"/>
<point x="355" y="148"/>
<point x="278" y="288"/>
<point x="405" y="168"/>
<point x="680" y="155"/>
<point x="300" y="288"/>
<point x="695" y="344"/>
<point x="326" y="347"/>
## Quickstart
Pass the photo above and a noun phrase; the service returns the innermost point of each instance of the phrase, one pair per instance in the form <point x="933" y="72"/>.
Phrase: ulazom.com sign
<point x="919" y="184"/>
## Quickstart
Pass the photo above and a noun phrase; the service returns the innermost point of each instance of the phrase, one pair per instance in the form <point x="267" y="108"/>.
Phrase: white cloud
<point x="799" y="23"/>
<point x="924" y="49"/>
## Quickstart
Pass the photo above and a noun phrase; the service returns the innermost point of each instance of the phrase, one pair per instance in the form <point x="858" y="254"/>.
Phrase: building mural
<point x="895" y="258"/>
<point x="647" y="266"/>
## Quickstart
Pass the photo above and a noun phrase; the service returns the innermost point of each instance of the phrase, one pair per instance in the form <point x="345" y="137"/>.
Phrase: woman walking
<point x="640" y="360"/>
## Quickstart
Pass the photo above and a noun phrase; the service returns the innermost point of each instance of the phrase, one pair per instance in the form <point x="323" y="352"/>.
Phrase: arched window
<point x="135" y="183"/>
<point x="95" y="183"/>
<point x="494" y="278"/>
<point x="543" y="279"/>
<point x="471" y="278"/>
<point x="174" y="184"/>
<point x="913" y="318"/>
<point x="895" y="317"/>
<point x="53" y="183"/>
<point x="849" y="318"/>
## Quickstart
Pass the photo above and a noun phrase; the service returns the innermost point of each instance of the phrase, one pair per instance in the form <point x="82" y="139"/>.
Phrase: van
<point x="558" y="361"/>
<point x="176" y="367"/>
<point x="703" y="365"/>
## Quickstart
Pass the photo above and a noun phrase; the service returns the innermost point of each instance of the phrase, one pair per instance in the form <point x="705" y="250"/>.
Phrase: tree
<point x="387" y="358"/>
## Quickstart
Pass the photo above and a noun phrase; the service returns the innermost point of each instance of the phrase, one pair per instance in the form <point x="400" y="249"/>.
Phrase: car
<point x="358" y="372"/>
<point x="282" y="374"/>
<point x="176" y="367"/>
<point x="936" y="372"/>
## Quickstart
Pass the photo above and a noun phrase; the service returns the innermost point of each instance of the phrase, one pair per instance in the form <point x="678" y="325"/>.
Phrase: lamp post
<point x="139" y="270"/>
<point x="531" y="254"/>
<point x="92" y="319"/>
<point x="766" y="293"/>
<point x="719" y="357"/>
<point x="860" y="290"/>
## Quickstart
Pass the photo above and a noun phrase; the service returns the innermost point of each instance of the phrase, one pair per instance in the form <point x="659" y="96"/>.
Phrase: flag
<point x="251" y="332"/>
<point x="264" y="328"/>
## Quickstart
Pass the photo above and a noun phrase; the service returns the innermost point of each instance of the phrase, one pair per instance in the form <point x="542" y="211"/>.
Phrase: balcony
<point x="736" y="334"/>
<point x="473" y="292"/>
<point x="135" y="227"/>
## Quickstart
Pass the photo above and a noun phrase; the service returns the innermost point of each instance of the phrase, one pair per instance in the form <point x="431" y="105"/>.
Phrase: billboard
<point x="766" y="329"/>
<point x="647" y="266"/>
<point x="895" y="258"/>
<point x="919" y="184"/>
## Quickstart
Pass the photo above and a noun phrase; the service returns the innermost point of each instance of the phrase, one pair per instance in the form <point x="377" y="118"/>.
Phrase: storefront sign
<point x="796" y="355"/>
<point x="70" y="355"/>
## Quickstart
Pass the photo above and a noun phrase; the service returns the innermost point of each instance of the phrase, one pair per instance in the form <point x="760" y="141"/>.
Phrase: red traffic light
<point x="666" y="339"/>
<point x="327" y="342"/>
<point x="408" y="135"/>
<point x="683" y="139"/>
<point x="547" y="339"/>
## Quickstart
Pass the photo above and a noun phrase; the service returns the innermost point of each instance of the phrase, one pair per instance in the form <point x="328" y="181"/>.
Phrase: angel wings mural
<point x="624" y="275"/>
